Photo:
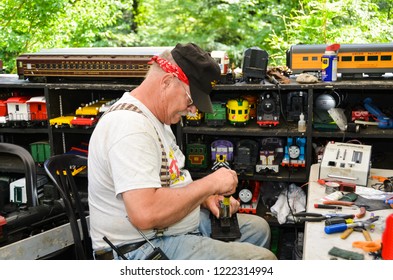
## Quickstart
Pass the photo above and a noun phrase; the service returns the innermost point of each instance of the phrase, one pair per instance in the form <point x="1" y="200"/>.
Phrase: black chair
<point x="59" y="168"/>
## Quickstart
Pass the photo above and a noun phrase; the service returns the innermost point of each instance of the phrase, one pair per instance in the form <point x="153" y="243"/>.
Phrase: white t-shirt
<point x="125" y="154"/>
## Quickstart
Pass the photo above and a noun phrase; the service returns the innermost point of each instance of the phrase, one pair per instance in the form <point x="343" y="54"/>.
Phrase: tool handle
<point x="338" y="202"/>
<point x="324" y="206"/>
<point x="346" y="233"/>
<point x="335" y="228"/>
<point x="367" y="235"/>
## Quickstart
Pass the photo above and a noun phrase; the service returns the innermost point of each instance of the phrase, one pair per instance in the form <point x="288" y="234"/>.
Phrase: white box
<point x="346" y="162"/>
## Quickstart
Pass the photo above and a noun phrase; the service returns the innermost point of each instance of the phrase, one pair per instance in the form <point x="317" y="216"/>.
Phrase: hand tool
<point x="317" y="217"/>
<point x="368" y="246"/>
<point x="337" y="220"/>
<point x="325" y="206"/>
<point x="348" y="232"/>
<point x="225" y="213"/>
<point x="379" y="178"/>
<point x="362" y="208"/>
<point x="342" y="227"/>
<point x="338" y="202"/>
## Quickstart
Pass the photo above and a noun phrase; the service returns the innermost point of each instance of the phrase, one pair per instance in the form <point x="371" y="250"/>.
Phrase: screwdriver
<point x="341" y="227"/>
<point x="324" y="206"/>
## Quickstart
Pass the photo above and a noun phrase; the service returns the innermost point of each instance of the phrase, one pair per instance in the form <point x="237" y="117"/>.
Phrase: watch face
<point x="294" y="151"/>
<point x="245" y="195"/>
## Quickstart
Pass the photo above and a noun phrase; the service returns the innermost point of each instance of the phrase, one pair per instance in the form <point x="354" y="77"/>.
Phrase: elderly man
<point x="138" y="187"/>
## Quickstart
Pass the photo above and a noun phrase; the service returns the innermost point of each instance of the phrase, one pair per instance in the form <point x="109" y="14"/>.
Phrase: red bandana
<point x="170" y="68"/>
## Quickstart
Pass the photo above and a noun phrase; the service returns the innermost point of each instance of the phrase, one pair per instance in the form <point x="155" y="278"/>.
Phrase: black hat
<point x="201" y="70"/>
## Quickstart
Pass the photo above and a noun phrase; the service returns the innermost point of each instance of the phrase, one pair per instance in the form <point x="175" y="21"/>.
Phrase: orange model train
<point x="353" y="60"/>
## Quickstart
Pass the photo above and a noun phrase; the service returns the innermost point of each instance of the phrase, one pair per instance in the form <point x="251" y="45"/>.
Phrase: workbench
<point x="40" y="245"/>
<point x="316" y="242"/>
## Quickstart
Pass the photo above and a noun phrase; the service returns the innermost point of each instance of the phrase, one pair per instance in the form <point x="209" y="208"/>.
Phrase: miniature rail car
<point x="221" y="154"/>
<point x="219" y="115"/>
<point x="194" y="119"/>
<point x="268" y="109"/>
<point x="23" y="111"/>
<point x="197" y="156"/>
<point x="238" y="111"/>
<point x="125" y="62"/>
<point x="61" y="122"/>
<point x="271" y="153"/>
<point x="246" y="157"/>
<point x="353" y="60"/>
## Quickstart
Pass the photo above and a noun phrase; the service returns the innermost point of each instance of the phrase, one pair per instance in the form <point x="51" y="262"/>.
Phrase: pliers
<point x="368" y="246"/>
<point x="317" y="217"/>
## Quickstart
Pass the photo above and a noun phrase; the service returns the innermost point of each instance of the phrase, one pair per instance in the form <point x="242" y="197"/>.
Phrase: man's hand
<point x="225" y="181"/>
<point x="213" y="204"/>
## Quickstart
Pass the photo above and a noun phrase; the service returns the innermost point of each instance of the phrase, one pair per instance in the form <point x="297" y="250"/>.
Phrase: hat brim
<point x="201" y="70"/>
<point x="201" y="100"/>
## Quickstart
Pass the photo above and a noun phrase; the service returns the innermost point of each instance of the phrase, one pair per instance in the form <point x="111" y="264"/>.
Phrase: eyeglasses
<point x="190" y="101"/>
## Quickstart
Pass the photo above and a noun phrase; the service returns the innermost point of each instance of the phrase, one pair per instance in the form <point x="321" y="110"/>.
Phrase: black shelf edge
<point x="251" y="129"/>
<point x="285" y="174"/>
<point x="24" y="130"/>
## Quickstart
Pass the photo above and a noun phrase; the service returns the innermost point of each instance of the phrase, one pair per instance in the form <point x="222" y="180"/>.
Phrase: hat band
<point x="170" y="68"/>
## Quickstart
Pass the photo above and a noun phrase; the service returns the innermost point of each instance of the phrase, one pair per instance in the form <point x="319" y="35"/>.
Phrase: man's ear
<point x="167" y="80"/>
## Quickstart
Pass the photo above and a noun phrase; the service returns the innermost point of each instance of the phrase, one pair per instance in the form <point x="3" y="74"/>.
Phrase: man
<point x="137" y="182"/>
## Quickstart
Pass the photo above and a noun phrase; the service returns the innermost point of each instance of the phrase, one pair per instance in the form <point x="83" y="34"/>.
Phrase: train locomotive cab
<point x="238" y="112"/>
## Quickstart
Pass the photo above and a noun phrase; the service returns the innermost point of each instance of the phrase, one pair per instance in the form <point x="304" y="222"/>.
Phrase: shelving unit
<point x="64" y="98"/>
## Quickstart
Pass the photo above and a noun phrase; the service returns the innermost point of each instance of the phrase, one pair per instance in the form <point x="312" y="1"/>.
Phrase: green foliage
<point x="324" y="22"/>
<point x="32" y="25"/>
<point x="231" y="25"/>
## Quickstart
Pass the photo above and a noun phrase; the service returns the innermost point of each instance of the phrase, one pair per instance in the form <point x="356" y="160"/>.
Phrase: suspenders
<point x="164" y="171"/>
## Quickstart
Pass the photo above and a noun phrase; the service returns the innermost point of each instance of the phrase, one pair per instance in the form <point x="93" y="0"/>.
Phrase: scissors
<point x="368" y="246"/>
<point x="317" y="217"/>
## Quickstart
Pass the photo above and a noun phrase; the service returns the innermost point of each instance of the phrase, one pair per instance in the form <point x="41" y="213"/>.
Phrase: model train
<point x="126" y="62"/>
<point x="353" y="60"/>
<point x="85" y="116"/>
<point x="23" y="111"/>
